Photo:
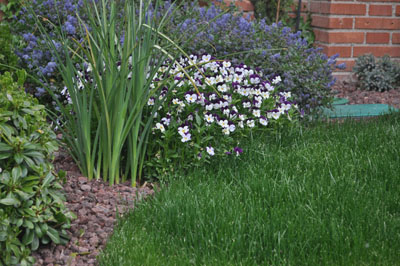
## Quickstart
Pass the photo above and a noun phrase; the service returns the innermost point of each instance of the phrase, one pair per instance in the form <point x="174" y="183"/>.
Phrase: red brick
<point x="349" y="65"/>
<point x="243" y="5"/>
<point x="379" y="1"/>
<point x="339" y="37"/>
<point x="380" y="10"/>
<point x="378" y="37"/>
<point x="343" y="51"/>
<point x="332" y="23"/>
<point x="396" y="38"/>
<point x="377" y="50"/>
<point x="339" y="9"/>
<point x="397" y="12"/>
<point x="378" y="23"/>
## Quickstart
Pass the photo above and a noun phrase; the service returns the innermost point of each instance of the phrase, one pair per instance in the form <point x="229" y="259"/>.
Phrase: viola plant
<point x="196" y="122"/>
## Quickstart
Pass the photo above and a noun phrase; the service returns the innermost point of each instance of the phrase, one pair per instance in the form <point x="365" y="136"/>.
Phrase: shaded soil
<point x="348" y="90"/>
<point x="95" y="203"/>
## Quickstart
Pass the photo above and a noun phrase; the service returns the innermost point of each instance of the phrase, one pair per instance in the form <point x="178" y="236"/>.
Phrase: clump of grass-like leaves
<point x="105" y="125"/>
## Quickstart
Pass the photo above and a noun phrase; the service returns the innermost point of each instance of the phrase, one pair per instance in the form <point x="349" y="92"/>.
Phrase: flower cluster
<point x="206" y="114"/>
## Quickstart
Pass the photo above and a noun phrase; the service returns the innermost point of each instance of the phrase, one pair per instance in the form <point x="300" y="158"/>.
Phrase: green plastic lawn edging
<point x="358" y="110"/>
<point x="340" y="101"/>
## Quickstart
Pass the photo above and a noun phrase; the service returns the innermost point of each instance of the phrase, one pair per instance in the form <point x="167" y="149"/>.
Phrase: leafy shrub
<point x="7" y="56"/>
<point x="31" y="206"/>
<point x="10" y="8"/>
<point x="377" y="75"/>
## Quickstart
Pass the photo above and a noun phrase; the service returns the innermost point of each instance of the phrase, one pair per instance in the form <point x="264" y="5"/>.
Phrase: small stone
<point x="86" y="187"/>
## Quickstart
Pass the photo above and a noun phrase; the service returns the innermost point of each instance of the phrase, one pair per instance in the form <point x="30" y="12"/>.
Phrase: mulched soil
<point x="348" y="90"/>
<point x="95" y="203"/>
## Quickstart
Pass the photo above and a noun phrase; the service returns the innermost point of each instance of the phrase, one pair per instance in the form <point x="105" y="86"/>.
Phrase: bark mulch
<point x="95" y="202"/>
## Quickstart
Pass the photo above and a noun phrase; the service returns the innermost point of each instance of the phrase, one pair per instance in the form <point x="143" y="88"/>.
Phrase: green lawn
<point x="327" y="194"/>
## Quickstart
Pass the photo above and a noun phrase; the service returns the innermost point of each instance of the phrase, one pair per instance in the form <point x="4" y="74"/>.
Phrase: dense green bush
<point x="7" y="56"/>
<point x="31" y="206"/>
<point x="377" y="75"/>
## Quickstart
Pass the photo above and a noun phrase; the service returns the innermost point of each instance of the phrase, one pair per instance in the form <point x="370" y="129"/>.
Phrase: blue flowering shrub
<point x="274" y="49"/>
<point x="227" y="102"/>
<point x="35" y="56"/>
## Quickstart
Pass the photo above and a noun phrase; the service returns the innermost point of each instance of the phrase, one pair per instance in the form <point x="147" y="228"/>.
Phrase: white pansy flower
<point x="240" y="124"/>
<point x="256" y="113"/>
<point x="210" y="151"/>
<point x="226" y="64"/>
<point x="183" y="130"/>
<point x="206" y="58"/>
<point x="209" y="107"/>
<point x="226" y="131"/>
<point x="191" y="98"/>
<point x="150" y="101"/>
<point x="226" y="112"/>
<point x="223" y="123"/>
<point x="255" y="80"/>
<point x="265" y="94"/>
<point x="223" y="88"/>
<point x="166" y="121"/>
<point x="263" y="121"/>
<point x="275" y="115"/>
<point x="276" y="80"/>
<point x="242" y="117"/>
<point x="209" y="118"/>
<point x="250" y="123"/>
<point x="269" y="87"/>
<point x="246" y="104"/>
<point x="232" y="127"/>
<point x="186" y="138"/>
<point x="160" y="127"/>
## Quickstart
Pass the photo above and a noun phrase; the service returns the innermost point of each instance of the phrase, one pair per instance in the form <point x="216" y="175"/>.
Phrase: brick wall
<point x="356" y="27"/>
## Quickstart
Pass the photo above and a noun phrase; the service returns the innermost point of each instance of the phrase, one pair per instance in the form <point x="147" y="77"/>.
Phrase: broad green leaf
<point x="5" y="155"/>
<point x="28" y="237"/>
<point x="16" y="174"/>
<point x="53" y="234"/>
<point x="5" y="147"/>
<point x="35" y="243"/>
<point x="9" y="201"/>
<point x="48" y="179"/>
<point x="18" y="158"/>
<point x="28" y="223"/>
<point x="3" y="236"/>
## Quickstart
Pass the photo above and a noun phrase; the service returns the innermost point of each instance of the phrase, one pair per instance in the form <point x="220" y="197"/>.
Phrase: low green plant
<point x="10" y="8"/>
<point x="377" y="75"/>
<point x="32" y="207"/>
<point x="7" y="56"/>
<point x="272" y="10"/>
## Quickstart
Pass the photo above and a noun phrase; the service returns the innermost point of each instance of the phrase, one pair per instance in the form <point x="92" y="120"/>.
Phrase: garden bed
<point x="94" y="202"/>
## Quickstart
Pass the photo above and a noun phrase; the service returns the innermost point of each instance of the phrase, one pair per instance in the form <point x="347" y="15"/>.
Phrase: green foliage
<point x="32" y="208"/>
<point x="7" y="56"/>
<point x="266" y="9"/>
<point x="10" y="8"/>
<point x="326" y="194"/>
<point x="377" y="75"/>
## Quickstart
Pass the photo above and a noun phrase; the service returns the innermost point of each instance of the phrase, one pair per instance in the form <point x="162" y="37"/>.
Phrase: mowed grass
<point x="327" y="194"/>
